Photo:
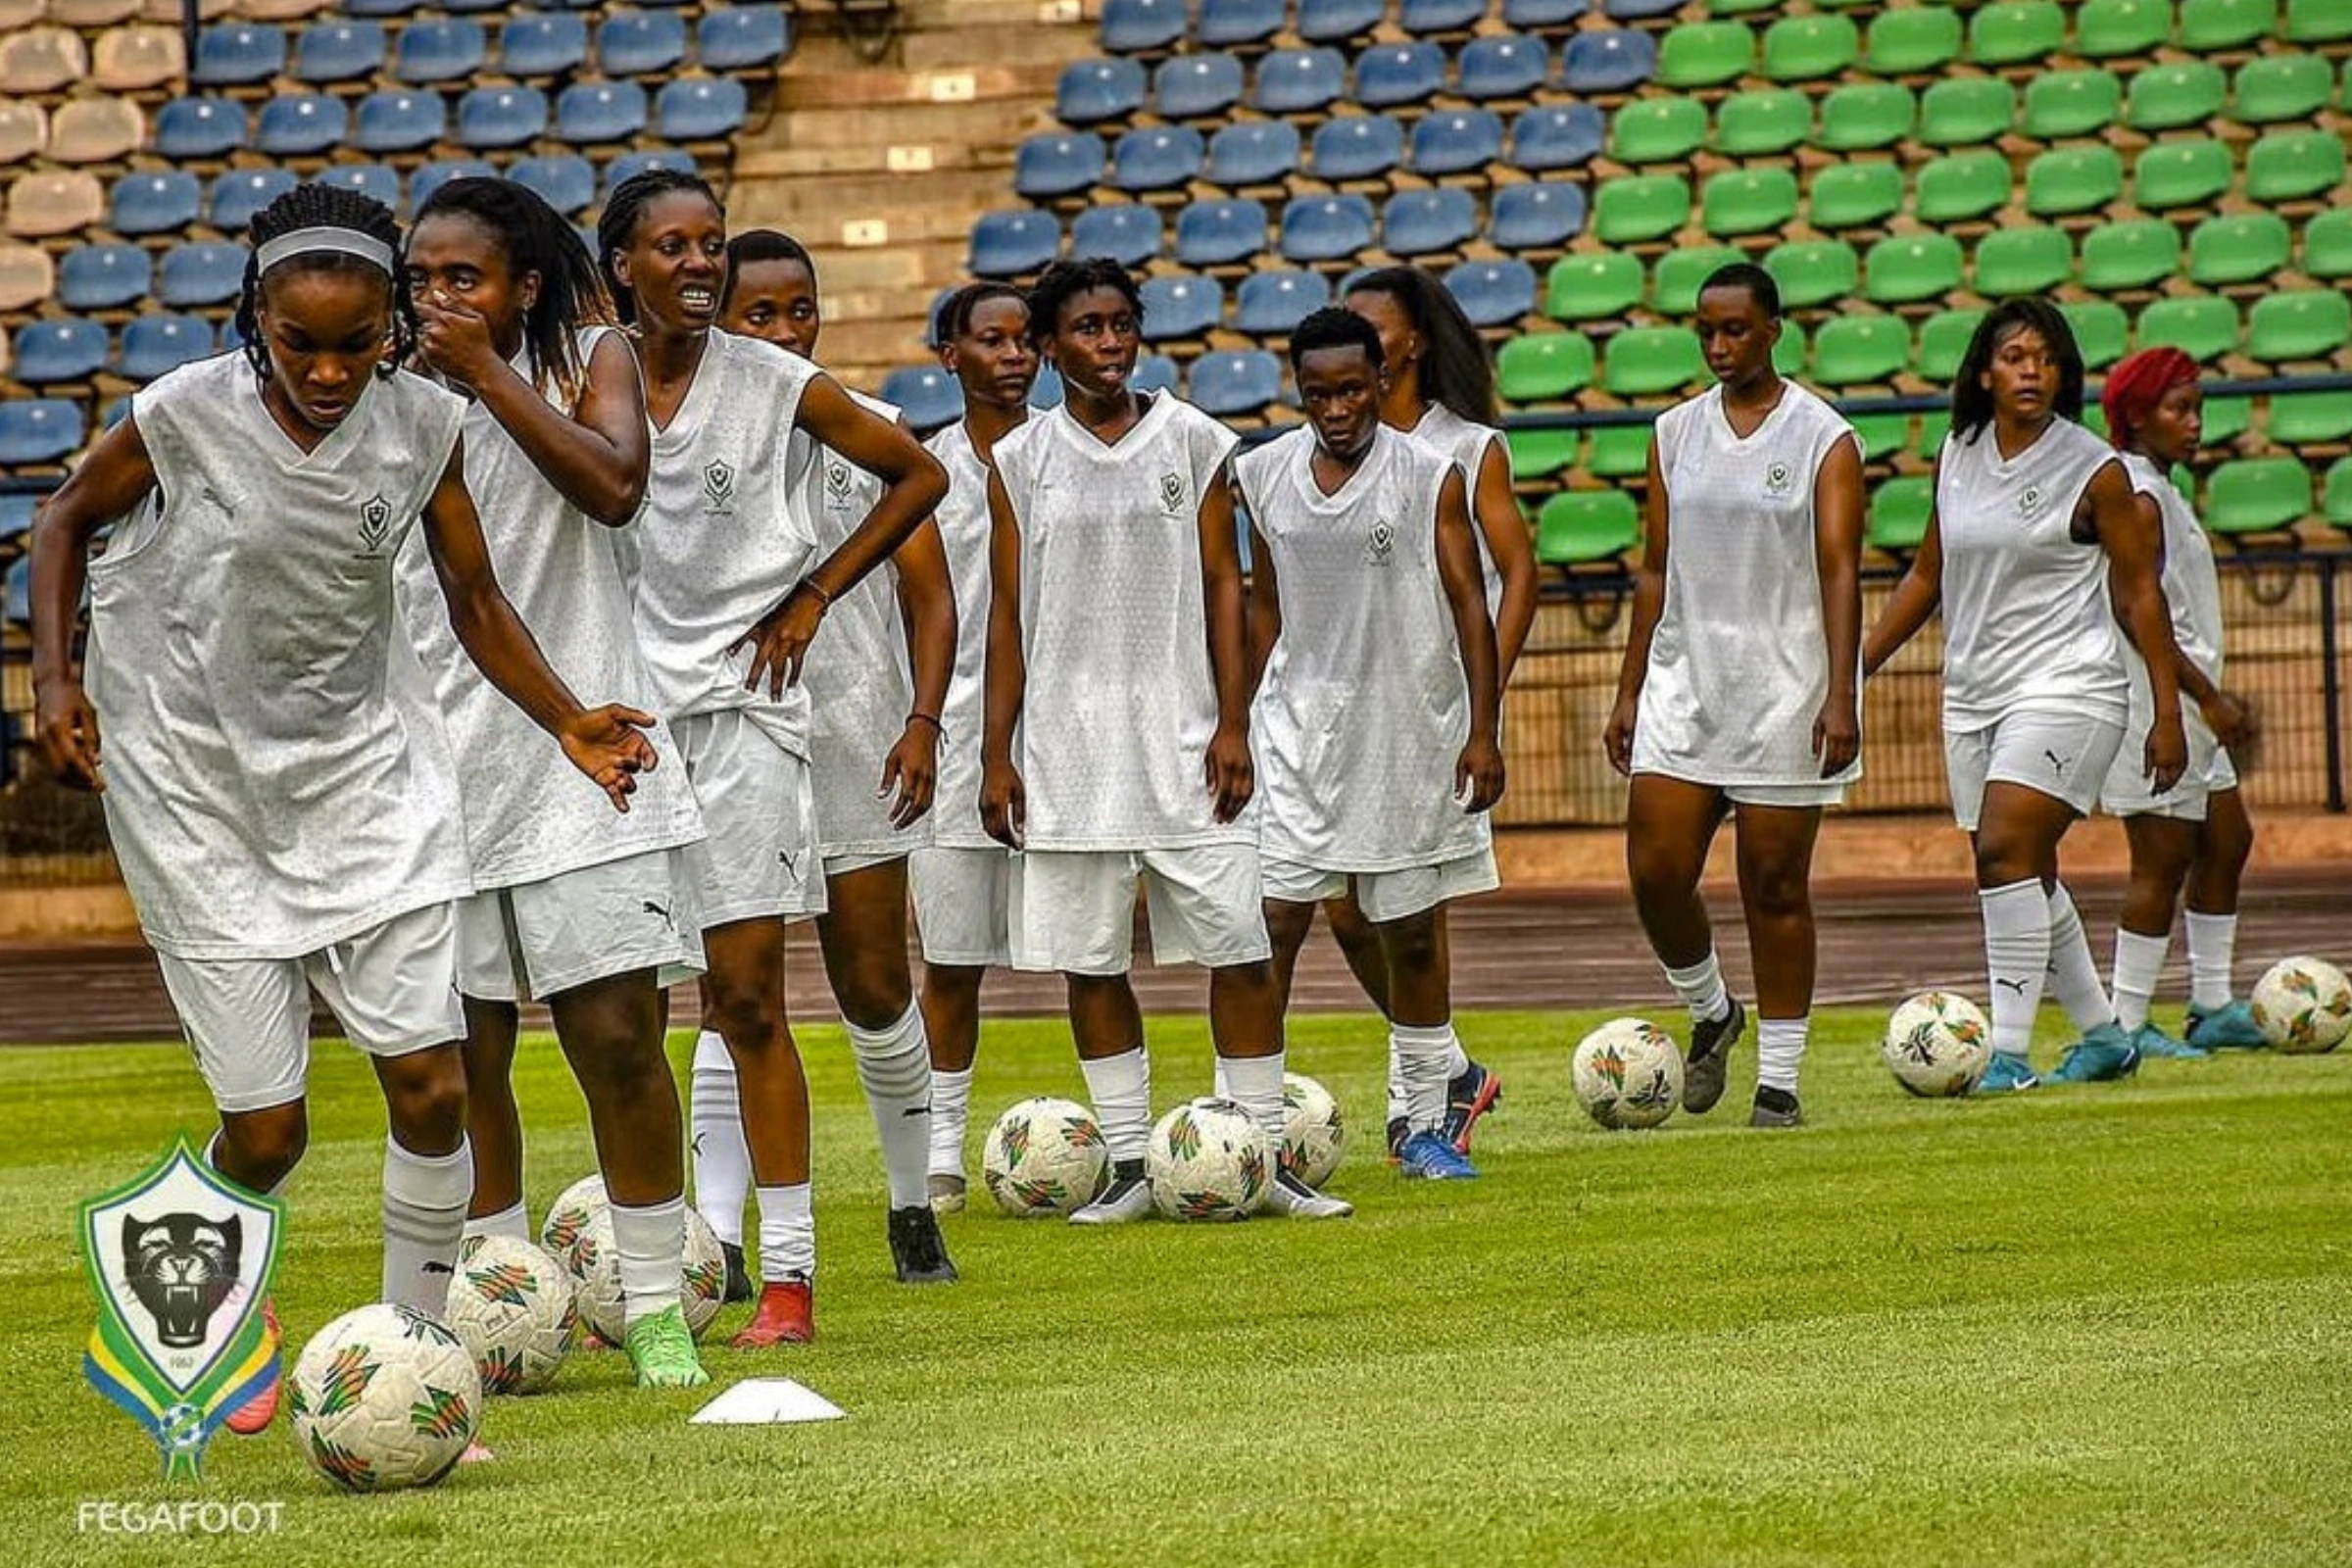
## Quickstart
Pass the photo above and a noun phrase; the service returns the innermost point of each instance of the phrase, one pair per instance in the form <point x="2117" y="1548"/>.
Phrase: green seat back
<point x="2210" y="26"/>
<point x="2107" y="29"/>
<point x="2180" y="173"/>
<point x="1589" y="286"/>
<point x="2168" y="97"/>
<point x="1943" y="342"/>
<point x="2257" y="495"/>
<point x="2204" y="327"/>
<point x="2289" y="166"/>
<point x="1966" y="112"/>
<point x="2023" y="261"/>
<point x="2318" y="20"/>
<point x="1619" y="452"/>
<point x="2060" y="104"/>
<point x="1658" y="130"/>
<point x="1543" y="367"/>
<point x="1865" y="114"/>
<point x="1959" y="186"/>
<point x="1855" y="350"/>
<point x="2310" y="419"/>
<point x="1540" y="453"/>
<point x="2335" y="503"/>
<point x="1906" y="268"/>
<point x="1705" y="54"/>
<point x="1898" y="513"/>
<point x="1645" y="360"/>
<point x="1641" y="208"/>
<point x="1753" y="124"/>
<point x="2238" y="248"/>
<point x="2140" y="254"/>
<point x="2016" y="32"/>
<point x="2309" y="324"/>
<point x="1810" y="48"/>
<point x="1854" y="196"/>
<point x="1577" y="528"/>
<point x="2073" y="180"/>
<point x="1754" y="200"/>
<point x="1904" y="43"/>
<point x="2102" y="330"/>
<point x="1813" y="273"/>
<point x="1674" y="285"/>
<point x="2328" y="244"/>
<point x="2275" y="87"/>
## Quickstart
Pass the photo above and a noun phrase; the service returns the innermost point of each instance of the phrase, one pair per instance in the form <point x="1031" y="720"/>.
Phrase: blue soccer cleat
<point x="2227" y="1027"/>
<point x="2006" y="1074"/>
<point x="1428" y="1156"/>
<point x="2150" y="1041"/>
<point x="2102" y="1055"/>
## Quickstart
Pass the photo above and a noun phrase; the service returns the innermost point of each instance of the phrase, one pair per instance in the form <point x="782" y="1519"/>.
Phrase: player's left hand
<point x="454" y="337"/>
<point x="608" y="745"/>
<point x="1478" y="776"/>
<point x="2166" y="755"/>
<point x="779" y="641"/>
<point x="911" y="771"/>
<point x="1837" y="735"/>
<point x="1232" y="776"/>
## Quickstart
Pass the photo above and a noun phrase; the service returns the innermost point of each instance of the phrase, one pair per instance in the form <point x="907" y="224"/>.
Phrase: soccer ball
<point x="1314" y="1134"/>
<point x="1938" y="1045"/>
<point x="511" y="1304"/>
<point x="2304" y="1005"/>
<point x="594" y="1262"/>
<point x="1627" y="1073"/>
<point x="384" y="1398"/>
<point x="1043" y="1156"/>
<point x="1207" y="1160"/>
<point x="569" y="1216"/>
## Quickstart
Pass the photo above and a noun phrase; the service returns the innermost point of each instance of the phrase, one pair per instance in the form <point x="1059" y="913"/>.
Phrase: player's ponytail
<point x="536" y="239"/>
<point x="1456" y="372"/>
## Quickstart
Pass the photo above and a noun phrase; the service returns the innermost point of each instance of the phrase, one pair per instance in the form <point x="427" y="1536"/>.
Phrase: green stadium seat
<point x="1641" y="208"/>
<point x="2105" y="29"/>
<point x="2257" y="495"/>
<point x="2094" y="419"/>
<point x="1578" y="527"/>
<point x="2310" y="419"/>
<point x="1943" y="342"/>
<point x="2275" y="87"/>
<point x="1883" y="435"/>
<point x="1749" y="201"/>
<point x="2227" y="418"/>
<point x="2318" y="20"/>
<point x="2064" y="104"/>
<point x="1933" y="425"/>
<point x="1674" y="284"/>
<point x="1705" y="54"/>
<point x="1810" y="48"/>
<point x="1540" y="454"/>
<point x="2023" y="261"/>
<point x="1860" y="350"/>
<point x="1813" y="273"/>
<point x="1865" y="114"/>
<point x="2292" y="165"/>
<point x="1906" y="268"/>
<point x="2336" y="499"/>
<point x="2238" y="248"/>
<point x="1720" y="8"/>
<point x="1789" y="354"/>
<point x="2327" y="245"/>
<point x="1898" y="513"/>
<point x="1619" y="452"/>
<point x="1591" y="286"/>
<point x="2171" y="174"/>
<point x="2102" y="330"/>
<point x="2068" y="180"/>
<point x="2214" y="27"/>
<point x="1966" y="112"/>
<point x="2016" y="32"/>
<point x="1758" y="125"/>
<point x="2130" y="255"/>
<point x="1658" y="130"/>
<point x="1959" y="186"/>
<point x="1645" y="360"/>
<point x="2306" y="324"/>
<point x="2168" y="97"/>
<point x="1854" y="196"/>
<point x="2204" y="327"/>
<point x="1543" y="367"/>
<point x="1910" y="43"/>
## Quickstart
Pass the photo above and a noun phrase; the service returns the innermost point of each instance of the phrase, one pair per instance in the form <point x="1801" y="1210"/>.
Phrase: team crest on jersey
<point x="1778" y="478"/>
<point x="2029" y="500"/>
<point x="375" y="524"/>
<point x="719" y="487"/>
<point x="837" y="480"/>
<point x="1380" y="542"/>
<point x="1171" y="492"/>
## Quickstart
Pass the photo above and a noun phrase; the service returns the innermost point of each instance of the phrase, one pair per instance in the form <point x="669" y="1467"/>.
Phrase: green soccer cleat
<point x="661" y="1349"/>
<point x="2227" y="1027"/>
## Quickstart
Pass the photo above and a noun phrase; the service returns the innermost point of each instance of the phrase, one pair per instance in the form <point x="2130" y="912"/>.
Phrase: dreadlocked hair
<point x="754" y="245"/>
<point x="535" y="239"/>
<point x="1062" y="282"/>
<point x="1456" y="372"/>
<point x="953" y="317"/>
<point x="316" y="205"/>
<point x="617" y="224"/>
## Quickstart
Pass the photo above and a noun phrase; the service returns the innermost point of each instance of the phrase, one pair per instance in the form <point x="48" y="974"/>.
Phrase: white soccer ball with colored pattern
<point x="383" y="1398"/>
<point x="1209" y="1160"/>
<point x="569" y="1216"/>
<point x="511" y="1304"/>
<point x="1314" y="1133"/>
<point x="1627" y="1073"/>
<point x="1045" y="1156"/>
<point x="2303" y="1005"/>
<point x="594" y="1263"/>
<point x="1938" y="1045"/>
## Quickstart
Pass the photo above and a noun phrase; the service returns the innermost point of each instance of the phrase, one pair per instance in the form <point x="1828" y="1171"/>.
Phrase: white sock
<point x="1257" y="1085"/>
<point x="722" y="1159"/>
<point x="1400" y="1100"/>
<point x="2138" y="963"/>
<point x="1780" y="1046"/>
<point x="950" y="1109"/>
<point x="1418" y="1060"/>
<point x="1701" y="989"/>
<point x="514" y="1223"/>
<point x="787" y="1235"/>
<point x="2017" y="955"/>
<point x="2212" y="953"/>
<point x="2073" y="977"/>
<point x="1218" y="1083"/>
<point x="1120" y="1087"/>
<point x="894" y="1065"/>
<point x="1457" y="1060"/>
<point x="652" y="1244"/>
<point x="425" y="1218"/>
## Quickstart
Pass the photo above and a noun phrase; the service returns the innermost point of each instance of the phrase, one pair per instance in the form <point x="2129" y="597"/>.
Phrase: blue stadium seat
<point x="500" y="117"/>
<point x="567" y="182"/>
<point x="1557" y="136"/>
<point x="742" y="38"/>
<point x="381" y="7"/>
<point x="440" y="49"/>
<point x="1502" y="67"/>
<point x="1252" y="152"/>
<point x="637" y="162"/>
<point x="230" y="337"/>
<point x="378" y="181"/>
<point x="588" y="113"/>
<point x="154" y="204"/>
<point x="1045" y="391"/>
<point x="1456" y="141"/>
<point x="701" y="108"/>
<point x="50" y="352"/>
<point x="926" y="395"/>
<point x="1223" y="23"/>
<point x="1154" y="372"/>
<point x="1611" y="61"/>
<point x="17" y="507"/>
<point x="1337" y="21"/>
<point x="1270" y="304"/>
<point x="1133" y="25"/>
<point x="1639" y="10"/>
<point x="539" y="43"/>
<point x="1390" y="75"/>
<point x="1158" y="158"/>
<point x="103" y="277"/>
<point x="190" y="128"/>
<point x="239" y="193"/>
<point x="232" y="54"/>
<point x="1542" y="216"/>
<point x="1057" y="163"/>
<point x="206" y="272"/>
<point x="1298" y="82"/>
<point x="155" y="345"/>
<point x="1417" y="222"/>
<point x="640" y="43"/>
<point x="1326" y="228"/>
<point x="1535" y="15"/>
<point x="1217" y="233"/>
<point x="1008" y="244"/>
<point x="1441" y="16"/>
<point x="430" y="177"/>
<point x="1181" y="306"/>
<point x="40" y="431"/>
<point x="1493" y="293"/>
<point x="301" y="124"/>
<point x="1356" y="147"/>
<point x="398" y="121"/>
<point x="1092" y="91"/>
<point x="1196" y="87"/>
<point x="339" y="51"/>
<point x="19" y="599"/>
<point x="1128" y="232"/>
<point x="1227" y="385"/>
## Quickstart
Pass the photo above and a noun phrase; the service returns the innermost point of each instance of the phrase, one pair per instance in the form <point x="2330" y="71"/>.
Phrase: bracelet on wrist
<point x="918" y="717"/>
<point x="823" y="597"/>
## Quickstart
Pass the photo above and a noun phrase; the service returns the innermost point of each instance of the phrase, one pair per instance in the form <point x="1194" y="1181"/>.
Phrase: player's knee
<point x="264" y="1146"/>
<point x="1288" y="924"/>
<point x="1348" y="927"/>
<point x="874" y="997"/>
<point x="1780" y="893"/>
<point x="425" y="1098"/>
<point x="1412" y="946"/>
<point x="1661" y="874"/>
<point x="747" y="1020"/>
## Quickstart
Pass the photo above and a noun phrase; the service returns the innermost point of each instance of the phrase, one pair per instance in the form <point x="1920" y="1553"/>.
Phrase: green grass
<point x="2085" y="1325"/>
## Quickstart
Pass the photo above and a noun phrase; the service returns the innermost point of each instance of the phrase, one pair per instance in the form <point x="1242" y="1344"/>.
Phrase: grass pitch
<point x="2093" y="1325"/>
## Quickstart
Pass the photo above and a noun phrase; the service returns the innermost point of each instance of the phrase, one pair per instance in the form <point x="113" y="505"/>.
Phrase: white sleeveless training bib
<point x="1467" y="441"/>
<point x="963" y="529"/>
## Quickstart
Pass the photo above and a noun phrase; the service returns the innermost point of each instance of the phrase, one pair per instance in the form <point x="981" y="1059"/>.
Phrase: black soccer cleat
<point x="1711" y="1046"/>
<point x="739" y="1280"/>
<point x="917" y="1249"/>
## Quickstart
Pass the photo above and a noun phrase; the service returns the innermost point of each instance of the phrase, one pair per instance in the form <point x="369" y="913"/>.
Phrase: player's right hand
<point x="1003" y="803"/>
<point x="1478" y="776"/>
<point x="1618" y="739"/>
<point x="779" y="640"/>
<point x="608" y="745"/>
<point x="69" y="729"/>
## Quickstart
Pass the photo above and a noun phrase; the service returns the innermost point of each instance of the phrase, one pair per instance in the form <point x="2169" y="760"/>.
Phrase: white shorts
<point x="963" y="905"/>
<point x="541" y="939"/>
<point x="2064" y="756"/>
<point x="394" y="987"/>
<point x="1074" y="910"/>
<point x="1385" y="896"/>
<point x="2209" y="772"/>
<point x="860" y="861"/>
<point x="761" y="860"/>
<point x="1813" y="793"/>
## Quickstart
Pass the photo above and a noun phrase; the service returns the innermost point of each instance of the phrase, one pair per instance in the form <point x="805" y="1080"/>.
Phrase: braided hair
<point x="312" y="205"/>
<point x="535" y="238"/>
<point x="617" y="225"/>
<point x="954" y="318"/>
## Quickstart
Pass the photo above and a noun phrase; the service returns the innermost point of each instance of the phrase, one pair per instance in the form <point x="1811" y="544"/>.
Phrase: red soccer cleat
<point x="256" y="1415"/>
<point x="786" y="1315"/>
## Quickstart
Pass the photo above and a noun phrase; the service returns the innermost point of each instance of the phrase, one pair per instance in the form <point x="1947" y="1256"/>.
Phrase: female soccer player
<point x="873" y="760"/>
<point x="572" y="904"/>
<point x="731" y="586"/>
<point x="1742" y="682"/>
<point x="1118" y="662"/>
<point x="2035" y="550"/>
<point x="962" y="878"/>
<point x="277" y="783"/>
<point x="1377" y="710"/>
<point x="2199" y="834"/>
